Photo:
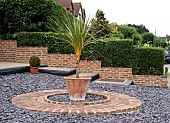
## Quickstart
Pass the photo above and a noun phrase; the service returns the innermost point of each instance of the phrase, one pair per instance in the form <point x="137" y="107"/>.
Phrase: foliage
<point x="122" y="53"/>
<point x="139" y="28"/>
<point x="148" y="38"/>
<point x="100" y="25"/>
<point x="51" y="40"/>
<point x="137" y="39"/>
<point x="159" y="42"/>
<point x="115" y="33"/>
<point x="74" y="32"/>
<point x="129" y="33"/>
<point x="26" y="15"/>
<point x="34" y="61"/>
<point x="149" y="61"/>
<point x="112" y="52"/>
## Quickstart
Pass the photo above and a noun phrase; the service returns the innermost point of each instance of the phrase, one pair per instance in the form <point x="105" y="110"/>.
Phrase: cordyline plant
<point x="75" y="32"/>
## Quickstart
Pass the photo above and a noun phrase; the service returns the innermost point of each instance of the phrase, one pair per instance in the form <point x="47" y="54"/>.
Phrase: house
<point x="79" y="12"/>
<point x="68" y="4"/>
<point x="167" y="38"/>
<point x="74" y="8"/>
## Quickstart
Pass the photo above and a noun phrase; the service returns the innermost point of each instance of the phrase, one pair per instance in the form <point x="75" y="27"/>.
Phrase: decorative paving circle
<point x="114" y="103"/>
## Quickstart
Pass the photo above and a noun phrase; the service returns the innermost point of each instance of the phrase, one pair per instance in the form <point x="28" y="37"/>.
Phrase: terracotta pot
<point x="34" y="70"/>
<point x="77" y="87"/>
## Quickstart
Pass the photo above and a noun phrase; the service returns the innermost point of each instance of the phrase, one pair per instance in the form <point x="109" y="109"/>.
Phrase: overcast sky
<point x="154" y="14"/>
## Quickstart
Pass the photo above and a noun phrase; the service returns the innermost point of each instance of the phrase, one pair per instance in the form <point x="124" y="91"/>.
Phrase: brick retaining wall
<point x="24" y="53"/>
<point x="8" y="49"/>
<point x="149" y="80"/>
<point x="116" y="73"/>
<point x="61" y="60"/>
<point x="9" y="52"/>
<point x="90" y="66"/>
<point x="69" y="61"/>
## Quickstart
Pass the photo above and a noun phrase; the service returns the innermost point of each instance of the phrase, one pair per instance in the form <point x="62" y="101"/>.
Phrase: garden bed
<point x="155" y="108"/>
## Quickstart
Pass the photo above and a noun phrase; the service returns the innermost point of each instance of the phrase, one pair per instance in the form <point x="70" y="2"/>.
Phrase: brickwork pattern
<point x="8" y="49"/>
<point x="149" y="80"/>
<point x="61" y="60"/>
<point x="87" y="66"/>
<point x="69" y="61"/>
<point x="115" y="73"/>
<point x="24" y="53"/>
<point x="118" y="104"/>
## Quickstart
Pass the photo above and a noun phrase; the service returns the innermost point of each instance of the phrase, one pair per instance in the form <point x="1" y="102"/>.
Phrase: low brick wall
<point x="149" y="80"/>
<point x="115" y="73"/>
<point x="24" y="53"/>
<point x="61" y="60"/>
<point x="69" y="61"/>
<point x="90" y="66"/>
<point x="8" y="49"/>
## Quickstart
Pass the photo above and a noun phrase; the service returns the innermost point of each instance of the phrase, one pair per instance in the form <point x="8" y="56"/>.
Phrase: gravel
<point x="155" y="109"/>
<point x="65" y="98"/>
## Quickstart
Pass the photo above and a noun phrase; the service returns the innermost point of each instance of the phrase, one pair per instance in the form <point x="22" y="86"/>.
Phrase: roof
<point x="74" y="8"/>
<point x="66" y="3"/>
<point x="77" y="7"/>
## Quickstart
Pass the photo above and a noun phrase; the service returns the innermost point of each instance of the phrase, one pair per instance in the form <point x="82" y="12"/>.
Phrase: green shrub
<point x="160" y="42"/>
<point x="149" y="61"/>
<point x="49" y="39"/>
<point x="34" y="61"/>
<point x="27" y="15"/>
<point x="122" y="53"/>
<point x="112" y="53"/>
<point x="148" y="38"/>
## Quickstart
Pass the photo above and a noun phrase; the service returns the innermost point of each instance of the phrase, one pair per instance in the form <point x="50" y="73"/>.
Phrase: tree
<point x="148" y="38"/>
<point x="159" y="42"/>
<point x="139" y="28"/>
<point x="129" y="33"/>
<point x="74" y="32"/>
<point x="100" y="25"/>
<point x="115" y="33"/>
<point x="26" y="15"/>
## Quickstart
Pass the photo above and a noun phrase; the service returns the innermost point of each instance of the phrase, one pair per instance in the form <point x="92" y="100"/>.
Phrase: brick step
<point x="119" y="82"/>
<point x="58" y="71"/>
<point x="7" y="68"/>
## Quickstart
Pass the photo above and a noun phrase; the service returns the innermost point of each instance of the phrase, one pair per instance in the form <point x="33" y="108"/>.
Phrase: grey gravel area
<point x="65" y="98"/>
<point x="155" y="109"/>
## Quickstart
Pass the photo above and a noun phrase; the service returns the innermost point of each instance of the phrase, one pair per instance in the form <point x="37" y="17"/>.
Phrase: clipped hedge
<point x="54" y="43"/>
<point x="122" y="53"/>
<point x="149" y="61"/>
<point x="112" y="52"/>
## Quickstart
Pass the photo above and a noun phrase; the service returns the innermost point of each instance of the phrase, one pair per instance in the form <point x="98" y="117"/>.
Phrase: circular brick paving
<point x="115" y="103"/>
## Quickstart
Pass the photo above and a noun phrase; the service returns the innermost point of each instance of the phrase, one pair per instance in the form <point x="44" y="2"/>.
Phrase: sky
<point x="153" y="14"/>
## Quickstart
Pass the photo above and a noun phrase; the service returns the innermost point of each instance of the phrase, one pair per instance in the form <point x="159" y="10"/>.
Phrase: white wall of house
<point x="80" y="15"/>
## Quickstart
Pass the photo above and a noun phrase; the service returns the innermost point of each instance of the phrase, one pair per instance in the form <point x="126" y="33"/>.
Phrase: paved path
<point x="4" y="65"/>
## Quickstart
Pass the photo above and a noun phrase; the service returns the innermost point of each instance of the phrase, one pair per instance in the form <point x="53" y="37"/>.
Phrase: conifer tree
<point x="100" y="25"/>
